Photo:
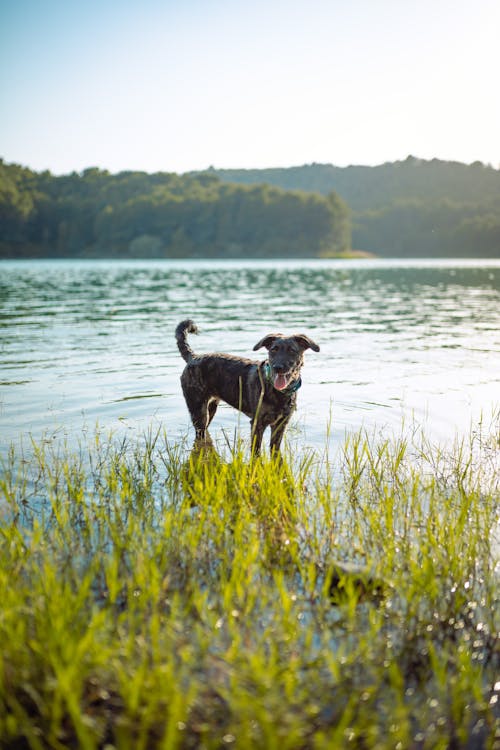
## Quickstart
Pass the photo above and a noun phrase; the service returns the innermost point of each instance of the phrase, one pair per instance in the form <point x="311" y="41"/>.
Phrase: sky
<point x="181" y="85"/>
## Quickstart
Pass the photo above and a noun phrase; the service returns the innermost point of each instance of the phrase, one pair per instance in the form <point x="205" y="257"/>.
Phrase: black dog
<point x="264" y="391"/>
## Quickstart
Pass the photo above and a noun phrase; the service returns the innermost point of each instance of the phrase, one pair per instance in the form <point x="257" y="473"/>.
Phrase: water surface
<point x="91" y="342"/>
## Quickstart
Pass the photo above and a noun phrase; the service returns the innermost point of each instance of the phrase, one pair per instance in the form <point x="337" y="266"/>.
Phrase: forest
<point x="163" y="215"/>
<point x="410" y="208"/>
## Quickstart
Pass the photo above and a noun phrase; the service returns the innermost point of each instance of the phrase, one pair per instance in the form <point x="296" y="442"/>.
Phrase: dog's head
<point x="286" y="356"/>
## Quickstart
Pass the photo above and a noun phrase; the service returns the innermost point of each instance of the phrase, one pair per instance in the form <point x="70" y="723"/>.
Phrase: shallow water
<point x="91" y="342"/>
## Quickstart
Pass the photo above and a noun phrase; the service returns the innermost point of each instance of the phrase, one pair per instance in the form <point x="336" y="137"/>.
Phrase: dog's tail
<point x="181" y="332"/>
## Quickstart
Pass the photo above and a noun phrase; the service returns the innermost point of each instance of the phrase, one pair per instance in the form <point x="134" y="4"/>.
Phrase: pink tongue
<point x="280" y="381"/>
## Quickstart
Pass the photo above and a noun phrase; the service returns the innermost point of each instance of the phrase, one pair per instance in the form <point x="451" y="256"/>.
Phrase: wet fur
<point x="208" y="379"/>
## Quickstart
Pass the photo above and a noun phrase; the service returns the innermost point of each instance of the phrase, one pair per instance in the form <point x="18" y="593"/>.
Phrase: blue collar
<point x="292" y="388"/>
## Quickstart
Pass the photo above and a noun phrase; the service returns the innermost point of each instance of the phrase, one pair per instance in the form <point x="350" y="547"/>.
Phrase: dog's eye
<point x="274" y="348"/>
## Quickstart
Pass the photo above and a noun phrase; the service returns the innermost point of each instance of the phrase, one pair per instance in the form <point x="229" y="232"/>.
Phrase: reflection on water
<point x="92" y="342"/>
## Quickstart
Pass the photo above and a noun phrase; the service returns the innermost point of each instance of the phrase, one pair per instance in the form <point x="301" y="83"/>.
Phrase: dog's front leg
<point x="277" y="431"/>
<point x="257" y="435"/>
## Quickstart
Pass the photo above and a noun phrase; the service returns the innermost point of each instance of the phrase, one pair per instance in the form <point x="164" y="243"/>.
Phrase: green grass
<point x="154" y="600"/>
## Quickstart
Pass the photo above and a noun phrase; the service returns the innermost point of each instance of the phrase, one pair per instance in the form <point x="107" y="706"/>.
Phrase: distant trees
<point x="407" y="208"/>
<point x="16" y="202"/>
<point x="423" y="228"/>
<point x="134" y="214"/>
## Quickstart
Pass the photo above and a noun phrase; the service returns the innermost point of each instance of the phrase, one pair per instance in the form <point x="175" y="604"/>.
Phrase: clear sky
<point x="177" y="85"/>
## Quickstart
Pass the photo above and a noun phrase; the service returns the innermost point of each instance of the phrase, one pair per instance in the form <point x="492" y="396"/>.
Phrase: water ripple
<point x="93" y="341"/>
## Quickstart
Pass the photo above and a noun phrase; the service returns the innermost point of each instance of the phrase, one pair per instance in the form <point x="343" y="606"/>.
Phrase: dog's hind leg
<point x="212" y="408"/>
<point x="198" y="406"/>
<point x="199" y="418"/>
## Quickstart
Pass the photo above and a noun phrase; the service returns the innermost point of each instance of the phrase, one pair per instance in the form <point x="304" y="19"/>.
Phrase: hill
<point x="411" y="208"/>
<point x="406" y="208"/>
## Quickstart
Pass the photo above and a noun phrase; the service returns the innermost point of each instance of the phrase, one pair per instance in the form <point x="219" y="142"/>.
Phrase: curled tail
<point x="181" y="332"/>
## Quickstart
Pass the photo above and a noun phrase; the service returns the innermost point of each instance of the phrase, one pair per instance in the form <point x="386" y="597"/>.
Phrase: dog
<point x="264" y="391"/>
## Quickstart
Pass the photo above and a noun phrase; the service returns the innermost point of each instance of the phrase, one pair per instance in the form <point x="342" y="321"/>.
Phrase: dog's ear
<point x="305" y="342"/>
<point x="267" y="341"/>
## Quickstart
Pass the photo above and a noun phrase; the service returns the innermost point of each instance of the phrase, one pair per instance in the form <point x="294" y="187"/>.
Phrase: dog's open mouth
<point x="281" y="380"/>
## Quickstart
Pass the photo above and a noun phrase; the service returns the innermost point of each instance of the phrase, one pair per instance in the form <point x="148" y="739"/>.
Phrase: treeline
<point x="410" y="208"/>
<point x="135" y="214"/>
<point x="440" y="228"/>
<point x="407" y="208"/>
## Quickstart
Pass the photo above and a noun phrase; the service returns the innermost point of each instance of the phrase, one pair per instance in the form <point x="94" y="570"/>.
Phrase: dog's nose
<point x="279" y="368"/>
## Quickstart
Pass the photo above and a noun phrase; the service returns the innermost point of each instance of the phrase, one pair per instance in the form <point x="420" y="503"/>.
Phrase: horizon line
<point x="211" y="168"/>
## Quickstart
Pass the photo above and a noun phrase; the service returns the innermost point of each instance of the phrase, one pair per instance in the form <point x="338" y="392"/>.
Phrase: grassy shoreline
<point x="152" y="599"/>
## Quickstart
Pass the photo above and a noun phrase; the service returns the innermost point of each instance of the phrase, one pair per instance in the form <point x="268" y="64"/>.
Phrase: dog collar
<point x="294" y="386"/>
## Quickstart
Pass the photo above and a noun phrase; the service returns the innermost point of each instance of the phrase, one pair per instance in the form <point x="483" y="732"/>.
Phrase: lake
<point x="86" y="343"/>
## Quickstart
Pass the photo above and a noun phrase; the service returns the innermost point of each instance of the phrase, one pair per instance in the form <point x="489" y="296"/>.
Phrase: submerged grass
<point x="151" y="599"/>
